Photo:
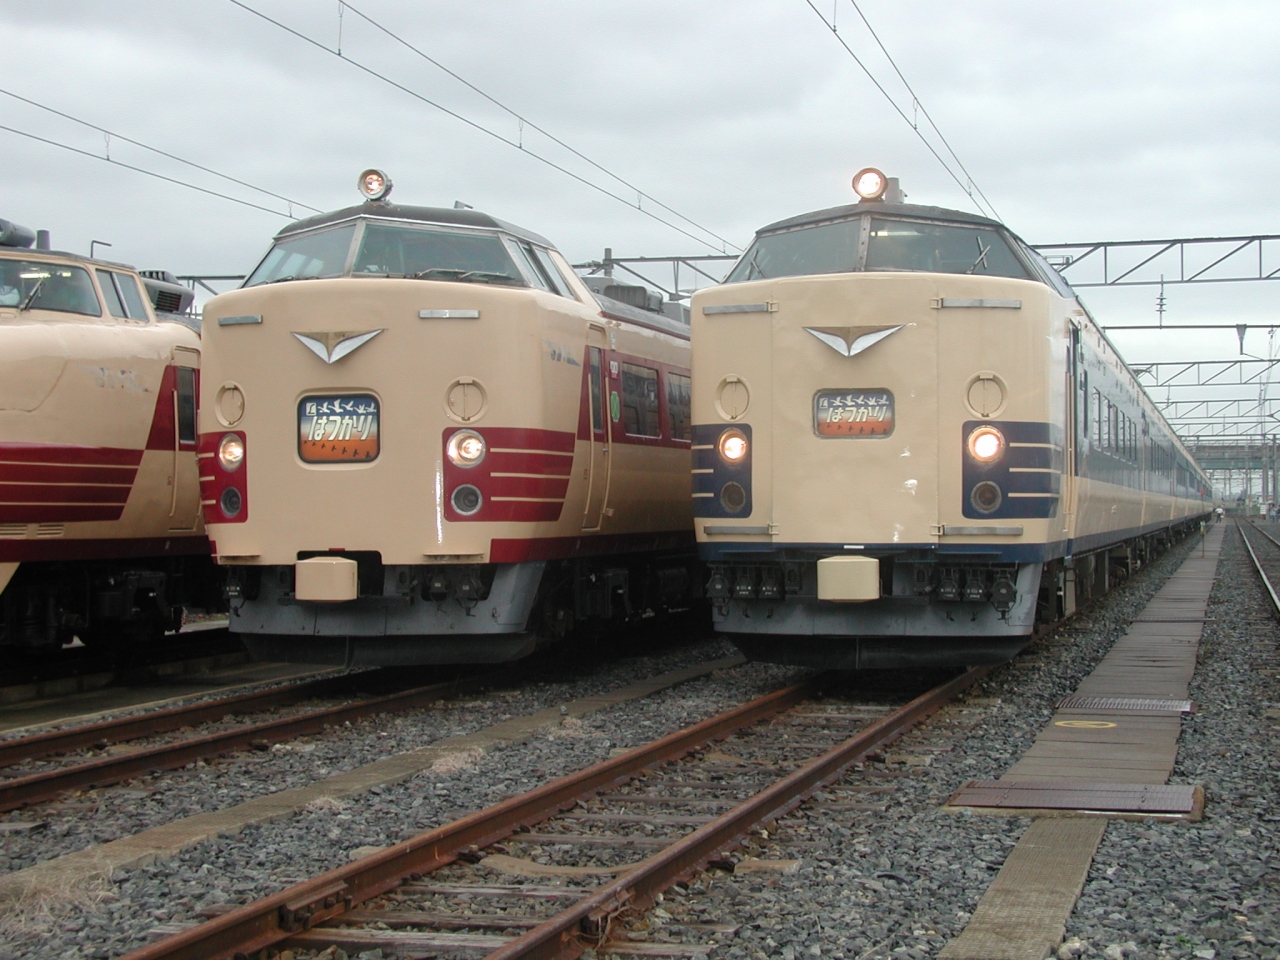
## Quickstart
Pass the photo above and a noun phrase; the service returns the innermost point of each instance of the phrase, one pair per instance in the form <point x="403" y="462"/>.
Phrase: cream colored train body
<point x="911" y="439"/>
<point x="100" y="528"/>
<point x="425" y="440"/>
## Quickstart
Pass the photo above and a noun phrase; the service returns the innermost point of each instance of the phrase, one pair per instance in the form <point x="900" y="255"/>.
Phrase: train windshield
<point x="31" y="285"/>
<point x="940" y="248"/>
<point x="320" y="254"/>
<point x="916" y="245"/>
<point x="396" y="251"/>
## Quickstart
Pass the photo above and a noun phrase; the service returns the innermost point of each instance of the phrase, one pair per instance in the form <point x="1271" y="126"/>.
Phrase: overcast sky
<point x="1080" y="121"/>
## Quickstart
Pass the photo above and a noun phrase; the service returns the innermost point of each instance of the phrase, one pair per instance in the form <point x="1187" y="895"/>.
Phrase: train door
<point x="184" y="473"/>
<point x="1077" y="433"/>
<point x="599" y="459"/>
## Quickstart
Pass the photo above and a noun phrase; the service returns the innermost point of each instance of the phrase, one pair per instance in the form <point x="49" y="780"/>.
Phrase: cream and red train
<point x="100" y="528"/>
<point x="423" y="439"/>
<point x="911" y="440"/>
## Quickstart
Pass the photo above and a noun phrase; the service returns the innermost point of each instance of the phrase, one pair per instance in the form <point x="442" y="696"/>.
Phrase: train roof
<point x="850" y="210"/>
<point x="377" y="210"/>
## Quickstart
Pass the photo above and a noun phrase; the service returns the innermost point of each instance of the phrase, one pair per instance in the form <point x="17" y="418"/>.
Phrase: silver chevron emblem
<point x="332" y="347"/>
<point x="851" y="341"/>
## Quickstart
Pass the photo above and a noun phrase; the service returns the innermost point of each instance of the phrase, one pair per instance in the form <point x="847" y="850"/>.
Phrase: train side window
<point x="115" y="306"/>
<point x="640" y="401"/>
<point x="557" y="282"/>
<point x="1099" y="414"/>
<point x="132" y="298"/>
<point x="593" y="384"/>
<point x="679" y="406"/>
<point x="529" y="266"/>
<point x="186" y="405"/>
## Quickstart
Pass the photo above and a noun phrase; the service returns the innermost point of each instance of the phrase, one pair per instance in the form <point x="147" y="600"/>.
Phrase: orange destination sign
<point x="853" y="413"/>
<point x="338" y="429"/>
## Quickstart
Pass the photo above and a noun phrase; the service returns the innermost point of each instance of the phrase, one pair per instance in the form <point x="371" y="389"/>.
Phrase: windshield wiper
<point x="982" y="257"/>
<point x="35" y="292"/>
<point x="465" y="276"/>
<point x="754" y="265"/>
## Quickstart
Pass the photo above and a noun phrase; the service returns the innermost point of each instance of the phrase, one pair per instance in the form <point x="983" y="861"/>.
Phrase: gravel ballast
<point x="893" y="883"/>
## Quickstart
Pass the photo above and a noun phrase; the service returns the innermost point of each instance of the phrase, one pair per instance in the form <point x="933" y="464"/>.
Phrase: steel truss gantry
<point x="1129" y="263"/>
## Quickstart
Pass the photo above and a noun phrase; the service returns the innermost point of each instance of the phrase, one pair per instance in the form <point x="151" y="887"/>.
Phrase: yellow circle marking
<point x="1085" y="724"/>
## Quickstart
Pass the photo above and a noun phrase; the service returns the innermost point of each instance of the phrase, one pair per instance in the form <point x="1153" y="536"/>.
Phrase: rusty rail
<point x="1257" y="563"/>
<point x="273" y="919"/>
<point x="20" y="791"/>
<point x="121" y="729"/>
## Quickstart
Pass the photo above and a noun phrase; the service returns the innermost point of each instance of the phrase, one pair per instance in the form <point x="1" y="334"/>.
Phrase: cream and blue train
<point x="911" y="441"/>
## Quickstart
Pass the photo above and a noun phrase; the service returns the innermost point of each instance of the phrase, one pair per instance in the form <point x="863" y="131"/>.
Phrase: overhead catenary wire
<point x="471" y="123"/>
<point x="164" y="153"/>
<point x="529" y="123"/>
<point x="916" y="102"/>
<point x="144" y="170"/>
<point x="981" y="204"/>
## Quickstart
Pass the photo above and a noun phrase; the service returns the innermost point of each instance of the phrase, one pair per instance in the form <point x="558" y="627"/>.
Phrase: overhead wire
<point x="471" y="123"/>
<point x="164" y="153"/>
<point x="893" y="103"/>
<point x="144" y="170"/>
<point x="917" y="102"/>
<point x="529" y="123"/>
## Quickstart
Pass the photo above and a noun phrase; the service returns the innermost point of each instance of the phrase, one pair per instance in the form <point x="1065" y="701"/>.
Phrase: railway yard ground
<point x="874" y="866"/>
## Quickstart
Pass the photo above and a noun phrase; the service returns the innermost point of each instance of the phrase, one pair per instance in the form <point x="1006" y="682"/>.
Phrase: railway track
<point x="1268" y="558"/>
<point x="599" y="845"/>
<point x="23" y="789"/>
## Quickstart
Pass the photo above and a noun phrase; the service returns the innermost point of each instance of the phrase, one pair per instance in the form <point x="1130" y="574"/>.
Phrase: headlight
<point x="374" y="185"/>
<point x="733" y="446"/>
<point x="870" y="184"/>
<point x="231" y="452"/>
<point x="465" y="448"/>
<point x="986" y="444"/>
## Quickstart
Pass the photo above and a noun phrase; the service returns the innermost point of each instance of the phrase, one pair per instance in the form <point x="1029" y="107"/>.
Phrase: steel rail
<point x="587" y="923"/>
<point x="271" y="921"/>
<point x="121" y="729"/>
<point x="20" y="791"/>
<point x="1257" y="564"/>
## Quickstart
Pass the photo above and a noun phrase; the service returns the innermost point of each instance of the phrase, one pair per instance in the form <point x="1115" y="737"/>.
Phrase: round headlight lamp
<point x="230" y="452"/>
<point x="374" y="185"/>
<point x="465" y="448"/>
<point x="870" y="183"/>
<point x="986" y="444"/>
<point x="733" y="446"/>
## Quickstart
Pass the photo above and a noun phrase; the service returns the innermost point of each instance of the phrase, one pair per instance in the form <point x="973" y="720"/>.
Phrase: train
<point x="424" y="439"/>
<point x="101" y="534"/>
<point x="912" y="442"/>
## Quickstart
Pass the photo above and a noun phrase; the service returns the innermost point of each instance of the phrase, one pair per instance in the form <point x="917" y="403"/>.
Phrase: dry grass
<point x="571" y="728"/>
<point x="43" y="906"/>
<point x="326" y="805"/>
<point x="457" y="762"/>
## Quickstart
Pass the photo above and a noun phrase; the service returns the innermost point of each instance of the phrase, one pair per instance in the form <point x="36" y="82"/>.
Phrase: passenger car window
<point x="320" y="254"/>
<point x="679" y="397"/>
<point x="186" y="405"/>
<point x="48" y="286"/>
<point x="640" y="401"/>
<point x="558" y="283"/>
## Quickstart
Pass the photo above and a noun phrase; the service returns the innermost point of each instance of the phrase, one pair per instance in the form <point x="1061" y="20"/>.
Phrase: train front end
<point x="378" y="410"/>
<point x="878" y="393"/>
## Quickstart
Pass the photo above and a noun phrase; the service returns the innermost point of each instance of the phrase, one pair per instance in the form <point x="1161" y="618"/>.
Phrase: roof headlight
<point x="986" y="444"/>
<point x="733" y="446"/>
<point x="374" y="185"/>
<point x="231" y="452"/>
<point x="870" y="184"/>
<point x="465" y="448"/>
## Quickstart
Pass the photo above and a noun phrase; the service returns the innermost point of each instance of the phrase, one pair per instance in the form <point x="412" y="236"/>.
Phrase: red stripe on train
<point x="57" y="513"/>
<point x="34" y="551"/>
<point x="50" y="453"/>
<point x="60" y="493"/>
<point x="547" y="464"/>
<point x="562" y="548"/>
<point x="527" y="438"/>
<point x="66" y="473"/>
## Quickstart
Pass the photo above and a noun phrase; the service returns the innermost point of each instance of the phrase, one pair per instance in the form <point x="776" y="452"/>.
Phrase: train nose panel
<point x="855" y="403"/>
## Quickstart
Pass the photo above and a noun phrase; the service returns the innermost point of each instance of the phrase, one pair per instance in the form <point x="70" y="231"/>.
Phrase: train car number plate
<point x="853" y="413"/>
<point x="338" y="429"/>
